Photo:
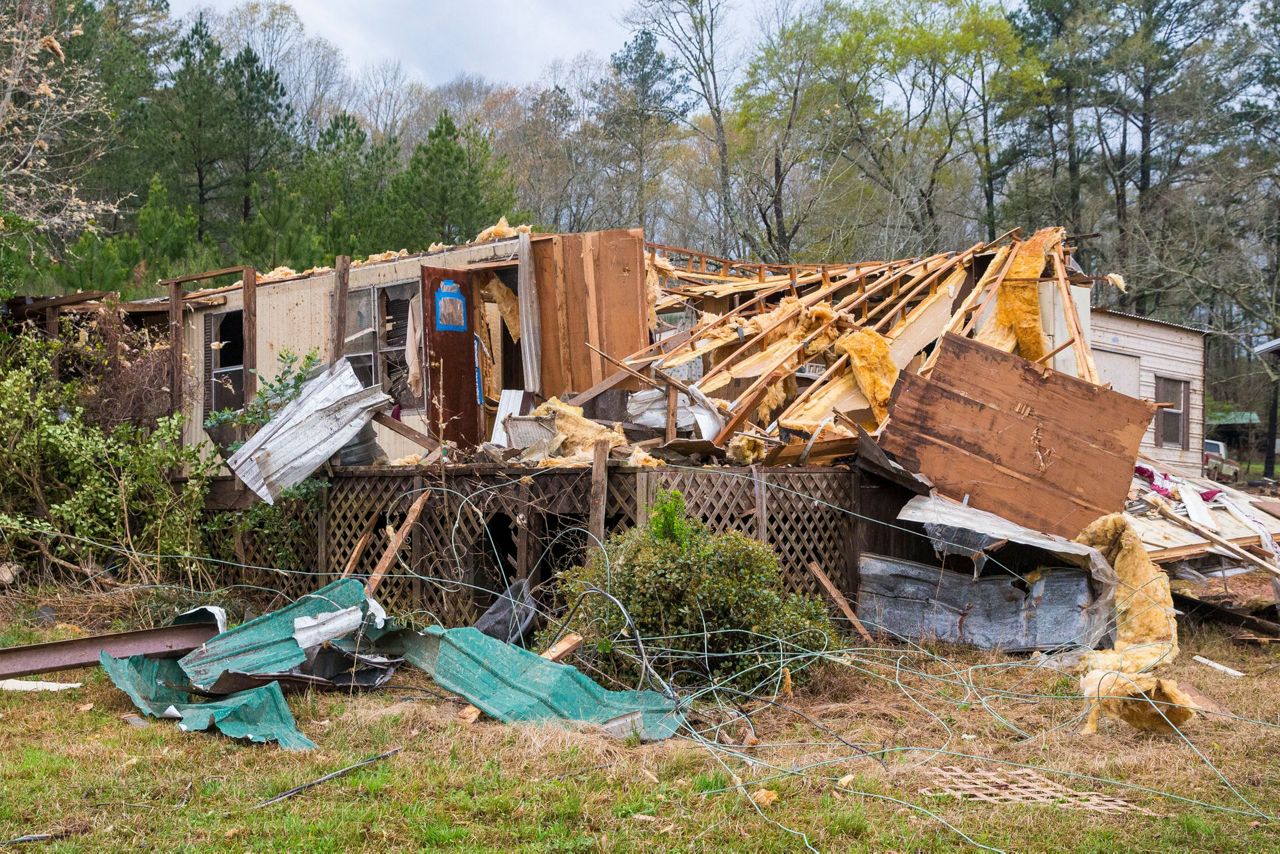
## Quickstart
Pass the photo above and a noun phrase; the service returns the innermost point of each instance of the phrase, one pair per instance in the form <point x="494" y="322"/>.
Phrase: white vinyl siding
<point x="1160" y="351"/>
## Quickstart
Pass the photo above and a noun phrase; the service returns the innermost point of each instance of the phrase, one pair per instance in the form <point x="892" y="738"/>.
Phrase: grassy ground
<point x="70" y="763"/>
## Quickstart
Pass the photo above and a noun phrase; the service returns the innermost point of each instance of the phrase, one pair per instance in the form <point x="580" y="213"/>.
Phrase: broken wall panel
<point x="591" y="291"/>
<point x="1035" y="446"/>
<point x="1049" y="609"/>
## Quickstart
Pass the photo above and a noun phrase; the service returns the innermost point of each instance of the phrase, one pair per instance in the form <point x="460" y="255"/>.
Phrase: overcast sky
<point x="510" y="41"/>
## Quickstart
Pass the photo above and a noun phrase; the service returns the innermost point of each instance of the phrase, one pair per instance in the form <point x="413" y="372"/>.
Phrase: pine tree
<point x="193" y="116"/>
<point x="261" y="120"/>
<point x="637" y="108"/>
<point x="453" y="187"/>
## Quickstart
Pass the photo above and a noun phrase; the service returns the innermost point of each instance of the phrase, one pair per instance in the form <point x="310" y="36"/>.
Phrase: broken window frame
<point x="1179" y="405"/>
<point x="375" y="346"/>
<point x="222" y="380"/>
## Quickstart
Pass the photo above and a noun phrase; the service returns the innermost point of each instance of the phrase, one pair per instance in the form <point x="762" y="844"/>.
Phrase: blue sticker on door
<point x="451" y="307"/>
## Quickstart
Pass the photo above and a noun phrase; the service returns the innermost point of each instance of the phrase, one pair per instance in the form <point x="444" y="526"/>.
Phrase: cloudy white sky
<point x="504" y="40"/>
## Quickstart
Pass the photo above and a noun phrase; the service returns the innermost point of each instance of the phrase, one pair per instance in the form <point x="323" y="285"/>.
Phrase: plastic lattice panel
<point x="1023" y="786"/>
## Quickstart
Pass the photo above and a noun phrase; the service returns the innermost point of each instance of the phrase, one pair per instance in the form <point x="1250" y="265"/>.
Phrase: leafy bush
<point x="78" y="494"/>
<point x="272" y="394"/>
<point x="705" y="605"/>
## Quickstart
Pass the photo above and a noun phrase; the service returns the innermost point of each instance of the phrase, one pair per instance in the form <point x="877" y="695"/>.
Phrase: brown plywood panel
<point x="553" y="313"/>
<point x="590" y="291"/>
<point x="574" y="282"/>
<point x="1030" y="444"/>
<point x="620" y="293"/>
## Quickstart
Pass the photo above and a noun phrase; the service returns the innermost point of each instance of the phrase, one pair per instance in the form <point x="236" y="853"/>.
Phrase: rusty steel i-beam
<point x="165" y="642"/>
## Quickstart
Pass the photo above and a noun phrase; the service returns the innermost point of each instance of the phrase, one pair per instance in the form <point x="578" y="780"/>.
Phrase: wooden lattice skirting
<point x="487" y="525"/>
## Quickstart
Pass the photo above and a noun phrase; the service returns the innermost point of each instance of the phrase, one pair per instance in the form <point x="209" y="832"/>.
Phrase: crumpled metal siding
<point x="331" y="409"/>
<point x="277" y="642"/>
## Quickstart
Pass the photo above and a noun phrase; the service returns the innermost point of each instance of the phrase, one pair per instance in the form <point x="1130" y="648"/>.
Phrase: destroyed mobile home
<point x="926" y="438"/>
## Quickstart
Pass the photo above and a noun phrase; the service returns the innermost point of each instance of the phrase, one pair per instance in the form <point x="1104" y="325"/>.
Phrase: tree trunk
<point x="988" y="173"/>
<point x="1073" y="162"/>
<point x="200" y="202"/>
<point x="782" y="241"/>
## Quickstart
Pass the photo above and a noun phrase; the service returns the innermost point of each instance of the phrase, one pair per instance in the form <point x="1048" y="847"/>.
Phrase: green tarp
<point x="513" y="684"/>
<point x="159" y="688"/>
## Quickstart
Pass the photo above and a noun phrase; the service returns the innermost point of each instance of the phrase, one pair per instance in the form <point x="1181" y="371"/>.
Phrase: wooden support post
<point x="761" y="494"/>
<point x="338" y="311"/>
<point x="250" y="315"/>
<point x="599" y="491"/>
<point x="841" y="602"/>
<point x="175" y="347"/>
<point x="562" y="648"/>
<point x="397" y="541"/>
<point x="673" y="401"/>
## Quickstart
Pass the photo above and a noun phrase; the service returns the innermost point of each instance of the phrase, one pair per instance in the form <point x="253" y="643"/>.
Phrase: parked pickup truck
<point x="1216" y="463"/>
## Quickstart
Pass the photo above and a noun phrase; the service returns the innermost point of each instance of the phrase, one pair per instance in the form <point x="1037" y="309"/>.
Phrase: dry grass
<point x="496" y="787"/>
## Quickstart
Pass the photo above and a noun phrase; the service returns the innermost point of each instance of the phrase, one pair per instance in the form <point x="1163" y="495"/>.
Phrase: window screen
<point x="1172" y="422"/>
<point x="377" y="331"/>
<point x="224" y="361"/>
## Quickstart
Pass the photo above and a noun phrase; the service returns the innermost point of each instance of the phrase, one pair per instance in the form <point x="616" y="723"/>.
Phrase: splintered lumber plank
<point x="397" y="540"/>
<point x="562" y="648"/>
<point x="416" y="436"/>
<point x="1035" y="446"/>
<point x="841" y="602"/>
<point x="590" y="257"/>
<point x="338" y="325"/>
<point x="1084" y="358"/>
<point x="598" y="389"/>
<point x="1163" y="508"/>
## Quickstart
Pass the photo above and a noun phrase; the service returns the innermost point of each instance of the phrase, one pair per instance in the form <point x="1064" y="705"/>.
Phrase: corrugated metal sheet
<point x="158" y="688"/>
<point x="513" y="684"/>
<point x="332" y="408"/>
<point x="1051" y="610"/>
<point x="277" y="642"/>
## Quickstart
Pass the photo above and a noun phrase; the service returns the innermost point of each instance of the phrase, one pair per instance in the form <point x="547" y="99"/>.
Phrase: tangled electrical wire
<point x="716" y="709"/>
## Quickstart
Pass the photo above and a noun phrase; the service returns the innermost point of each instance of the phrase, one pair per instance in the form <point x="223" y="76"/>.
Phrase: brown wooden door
<point x="449" y="305"/>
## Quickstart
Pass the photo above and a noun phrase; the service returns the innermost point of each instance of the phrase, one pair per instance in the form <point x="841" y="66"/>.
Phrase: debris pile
<point x="338" y="638"/>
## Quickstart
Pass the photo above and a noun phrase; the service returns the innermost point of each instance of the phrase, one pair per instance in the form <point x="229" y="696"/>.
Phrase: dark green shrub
<point x="704" y="605"/>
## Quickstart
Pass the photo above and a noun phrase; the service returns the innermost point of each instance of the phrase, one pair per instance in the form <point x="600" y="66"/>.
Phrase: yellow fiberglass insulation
<point x="745" y="450"/>
<point x="1141" y="700"/>
<point x="782" y="348"/>
<point x="508" y="306"/>
<point x="775" y="394"/>
<point x="1016" y="322"/>
<point x="1118" y="681"/>
<point x="655" y="268"/>
<point x="580" y="433"/>
<point x="500" y="230"/>
<point x="872" y="367"/>
<point x="640" y="458"/>
<point x="838" y="394"/>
